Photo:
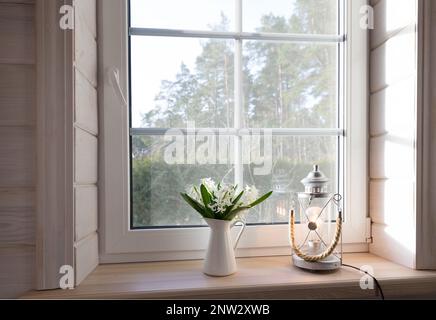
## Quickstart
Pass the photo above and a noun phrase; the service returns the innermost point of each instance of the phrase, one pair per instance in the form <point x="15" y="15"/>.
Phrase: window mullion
<point x="238" y="114"/>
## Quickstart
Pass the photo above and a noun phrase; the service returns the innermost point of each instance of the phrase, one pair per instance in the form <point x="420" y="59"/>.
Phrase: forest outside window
<point x="233" y="65"/>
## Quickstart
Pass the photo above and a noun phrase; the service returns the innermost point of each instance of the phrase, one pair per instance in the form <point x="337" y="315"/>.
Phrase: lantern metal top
<point x="315" y="182"/>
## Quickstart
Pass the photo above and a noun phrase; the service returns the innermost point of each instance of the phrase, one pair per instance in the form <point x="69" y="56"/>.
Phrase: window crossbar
<point x="237" y="132"/>
<point x="315" y="38"/>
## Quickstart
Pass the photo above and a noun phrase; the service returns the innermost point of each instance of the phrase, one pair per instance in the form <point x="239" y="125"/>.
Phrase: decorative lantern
<point x="317" y="241"/>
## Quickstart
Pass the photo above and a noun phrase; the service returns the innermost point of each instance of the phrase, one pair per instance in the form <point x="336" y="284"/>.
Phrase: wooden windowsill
<point x="264" y="277"/>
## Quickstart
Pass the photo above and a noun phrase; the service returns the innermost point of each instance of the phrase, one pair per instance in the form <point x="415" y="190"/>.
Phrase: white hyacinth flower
<point x="221" y="204"/>
<point x="209" y="184"/>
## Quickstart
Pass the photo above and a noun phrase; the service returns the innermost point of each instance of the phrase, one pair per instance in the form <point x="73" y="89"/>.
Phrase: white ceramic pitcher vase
<point x="220" y="258"/>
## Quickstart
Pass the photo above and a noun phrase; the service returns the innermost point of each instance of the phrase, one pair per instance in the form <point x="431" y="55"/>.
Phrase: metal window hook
<point x="113" y="76"/>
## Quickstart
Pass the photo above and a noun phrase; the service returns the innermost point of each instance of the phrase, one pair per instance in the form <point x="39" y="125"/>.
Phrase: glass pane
<point x="291" y="16"/>
<point x="318" y="217"/>
<point x="176" y="80"/>
<point x="289" y="85"/>
<point x="160" y="172"/>
<point x="187" y="14"/>
<point x="292" y="159"/>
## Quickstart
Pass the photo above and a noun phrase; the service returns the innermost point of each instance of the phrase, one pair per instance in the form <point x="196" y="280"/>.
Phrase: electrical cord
<point x="374" y="278"/>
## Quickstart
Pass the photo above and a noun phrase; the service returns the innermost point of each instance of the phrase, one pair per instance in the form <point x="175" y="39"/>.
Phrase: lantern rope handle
<point x="325" y="254"/>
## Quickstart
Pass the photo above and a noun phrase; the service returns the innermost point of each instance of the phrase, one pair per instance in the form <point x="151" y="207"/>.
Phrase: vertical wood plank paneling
<point x="55" y="137"/>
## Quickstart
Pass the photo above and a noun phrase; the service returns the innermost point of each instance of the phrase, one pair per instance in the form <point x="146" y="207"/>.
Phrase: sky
<point x="159" y="58"/>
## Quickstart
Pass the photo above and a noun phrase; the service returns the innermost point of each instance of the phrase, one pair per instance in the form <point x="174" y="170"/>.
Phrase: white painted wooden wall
<point x="393" y="119"/>
<point x="18" y="143"/>
<point x="17" y="147"/>
<point x="85" y="139"/>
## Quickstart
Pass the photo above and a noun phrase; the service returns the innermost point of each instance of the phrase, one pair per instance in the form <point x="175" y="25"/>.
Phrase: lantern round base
<point x="328" y="264"/>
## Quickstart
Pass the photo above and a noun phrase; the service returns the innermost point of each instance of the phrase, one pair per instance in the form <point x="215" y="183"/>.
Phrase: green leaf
<point x="207" y="197"/>
<point x="260" y="200"/>
<point x="196" y="206"/>
<point x="230" y="208"/>
<point x="193" y="203"/>
<point x="238" y="198"/>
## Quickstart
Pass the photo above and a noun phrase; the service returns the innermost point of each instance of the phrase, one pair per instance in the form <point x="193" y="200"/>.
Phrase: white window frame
<point x="120" y="244"/>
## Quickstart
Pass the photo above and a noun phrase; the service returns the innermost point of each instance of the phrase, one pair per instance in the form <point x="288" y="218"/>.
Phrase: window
<point x="214" y="80"/>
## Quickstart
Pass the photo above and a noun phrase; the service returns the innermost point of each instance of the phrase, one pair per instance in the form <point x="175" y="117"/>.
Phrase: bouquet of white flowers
<point x="222" y="201"/>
